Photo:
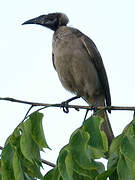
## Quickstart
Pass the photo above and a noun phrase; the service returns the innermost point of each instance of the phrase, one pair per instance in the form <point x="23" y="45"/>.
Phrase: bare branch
<point x="48" y="163"/>
<point x="77" y="107"/>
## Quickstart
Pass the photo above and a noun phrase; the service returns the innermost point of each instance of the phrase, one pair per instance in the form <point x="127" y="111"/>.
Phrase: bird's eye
<point x="52" y="16"/>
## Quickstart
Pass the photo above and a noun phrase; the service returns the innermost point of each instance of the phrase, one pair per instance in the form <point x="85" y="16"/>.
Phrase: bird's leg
<point x="64" y="104"/>
<point x="94" y="107"/>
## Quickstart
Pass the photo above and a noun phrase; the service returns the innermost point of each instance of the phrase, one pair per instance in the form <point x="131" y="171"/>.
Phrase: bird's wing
<point x="53" y="61"/>
<point x="98" y="63"/>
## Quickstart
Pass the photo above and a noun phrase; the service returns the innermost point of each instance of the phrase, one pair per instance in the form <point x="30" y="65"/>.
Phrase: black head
<point x="52" y="21"/>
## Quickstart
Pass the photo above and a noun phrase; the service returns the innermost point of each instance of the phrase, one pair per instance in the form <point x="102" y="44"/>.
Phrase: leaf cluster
<point x="78" y="160"/>
<point x="20" y="158"/>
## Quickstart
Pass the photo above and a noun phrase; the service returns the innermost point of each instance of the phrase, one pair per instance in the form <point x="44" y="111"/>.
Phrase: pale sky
<point x="27" y="72"/>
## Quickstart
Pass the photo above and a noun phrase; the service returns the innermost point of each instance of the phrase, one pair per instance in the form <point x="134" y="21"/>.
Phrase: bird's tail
<point x="106" y="126"/>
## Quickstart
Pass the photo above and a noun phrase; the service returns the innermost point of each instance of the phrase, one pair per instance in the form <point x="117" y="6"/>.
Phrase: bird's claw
<point x="64" y="105"/>
<point x="94" y="107"/>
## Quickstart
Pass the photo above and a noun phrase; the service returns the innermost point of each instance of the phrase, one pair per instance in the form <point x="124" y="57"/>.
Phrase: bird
<point x="79" y="64"/>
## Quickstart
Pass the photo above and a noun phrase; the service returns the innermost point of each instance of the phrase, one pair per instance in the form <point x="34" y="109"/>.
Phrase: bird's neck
<point x="62" y="32"/>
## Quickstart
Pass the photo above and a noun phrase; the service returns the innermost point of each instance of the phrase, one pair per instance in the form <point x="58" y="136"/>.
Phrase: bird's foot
<point x="94" y="107"/>
<point x="64" y="104"/>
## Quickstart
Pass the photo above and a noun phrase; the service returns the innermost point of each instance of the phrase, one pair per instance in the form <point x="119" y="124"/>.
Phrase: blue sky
<point x="26" y="66"/>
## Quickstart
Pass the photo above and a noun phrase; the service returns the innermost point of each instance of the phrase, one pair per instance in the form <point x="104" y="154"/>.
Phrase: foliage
<point x="20" y="159"/>
<point x="78" y="160"/>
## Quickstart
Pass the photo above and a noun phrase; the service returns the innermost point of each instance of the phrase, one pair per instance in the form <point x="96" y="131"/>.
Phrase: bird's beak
<point x="42" y="20"/>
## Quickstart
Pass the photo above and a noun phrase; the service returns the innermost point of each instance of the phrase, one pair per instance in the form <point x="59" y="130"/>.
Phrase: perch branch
<point x="77" y="107"/>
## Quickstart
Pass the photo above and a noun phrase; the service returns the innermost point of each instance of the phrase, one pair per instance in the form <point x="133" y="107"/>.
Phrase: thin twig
<point x="43" y="161"/>
<point x="38" y="110"/>
<point x="27" y="113"/>
<point x="128" y="108"/>
<point x="25" y="117"/>
<point x="86" y="114"/>
<point x="48" y="163"/>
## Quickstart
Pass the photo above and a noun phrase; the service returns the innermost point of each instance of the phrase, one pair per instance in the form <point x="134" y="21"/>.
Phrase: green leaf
<point x="75" y="161"/>
<point x="0" y="166"/>
<point x="126" y="163"/>
<point x="65" y="164"/>
<point x="114" y="175"/>
<point x="98" y="140"/>
<point x="53" y="175"/>
<point x="49" y="175"/>
<point x="130" y="128"/>
<point x="77" y="176"/>
<point x="122" y="154"/>
<point x="112" y="161"/>
<point x="37" y="129"/>
<point x="105" y="174"/>
<point x="21" y="154"/>
<point x="99" y="166"/>
<point x="115" y="145"/>
<point x="126" y="168"/>
<point x="28" y="147"/>
<point x="30" y="169"/>
<point x="26" y="177"/>
<point x="79" y="148"/>
<point x="128" y="147"/>
<point x="114" y="156"/>
<point x="112" y="165"/>
<point x="18" y="172"/>
<point x="6" y="163"/>
<point x="90" y="173"/>
<point x="12" y="138"/>
<point x="30" y="152"/>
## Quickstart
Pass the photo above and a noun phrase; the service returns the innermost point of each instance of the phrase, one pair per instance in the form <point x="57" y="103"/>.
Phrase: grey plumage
<point x="78" y="64"/>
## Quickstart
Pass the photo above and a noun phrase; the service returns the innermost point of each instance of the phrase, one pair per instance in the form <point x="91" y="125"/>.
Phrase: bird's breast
<point x="74" y="67"/>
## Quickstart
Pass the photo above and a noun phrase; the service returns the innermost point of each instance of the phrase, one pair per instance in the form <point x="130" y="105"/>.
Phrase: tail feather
<point x="106" y="126"/>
